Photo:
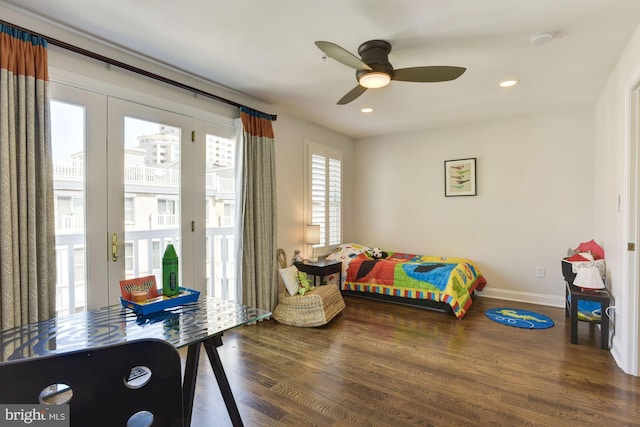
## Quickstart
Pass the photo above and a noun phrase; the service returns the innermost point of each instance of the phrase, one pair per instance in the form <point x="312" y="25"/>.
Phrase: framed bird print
<point x="460" y="177"/>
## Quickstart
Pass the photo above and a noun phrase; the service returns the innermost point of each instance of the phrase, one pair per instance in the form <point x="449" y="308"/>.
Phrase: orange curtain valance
<point x="256" y="123"/>
<point x="23" y="54"/>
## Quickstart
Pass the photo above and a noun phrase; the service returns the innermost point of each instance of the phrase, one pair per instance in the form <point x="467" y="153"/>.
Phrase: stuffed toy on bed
<point x="377" y="253"/>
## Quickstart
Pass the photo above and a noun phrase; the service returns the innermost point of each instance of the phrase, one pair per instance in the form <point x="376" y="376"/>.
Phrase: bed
<point x="438" y="283"/>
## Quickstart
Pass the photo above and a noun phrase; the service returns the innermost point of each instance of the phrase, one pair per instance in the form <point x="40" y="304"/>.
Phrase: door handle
<point x="114" y="247"/>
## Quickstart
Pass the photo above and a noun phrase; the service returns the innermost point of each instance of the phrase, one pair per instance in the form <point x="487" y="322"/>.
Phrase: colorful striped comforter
<point x="448" y="280"/>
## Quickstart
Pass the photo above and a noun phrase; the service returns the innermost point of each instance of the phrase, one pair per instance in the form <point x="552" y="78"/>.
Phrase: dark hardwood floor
<point x="382" y="364"/>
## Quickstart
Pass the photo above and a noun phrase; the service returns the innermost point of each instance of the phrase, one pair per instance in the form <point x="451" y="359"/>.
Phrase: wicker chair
<point x="315" y="308"/>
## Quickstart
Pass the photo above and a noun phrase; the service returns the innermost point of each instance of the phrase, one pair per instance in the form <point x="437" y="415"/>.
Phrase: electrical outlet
<point x="539" y="271"/>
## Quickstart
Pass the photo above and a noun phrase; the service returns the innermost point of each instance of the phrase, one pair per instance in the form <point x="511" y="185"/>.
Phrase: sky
<point x="67" y="129"/>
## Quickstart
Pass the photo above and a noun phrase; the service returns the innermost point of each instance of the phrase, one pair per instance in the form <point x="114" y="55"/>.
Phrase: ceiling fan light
<point x="374" y="80"/>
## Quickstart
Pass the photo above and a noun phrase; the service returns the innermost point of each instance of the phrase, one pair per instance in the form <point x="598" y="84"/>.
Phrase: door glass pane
<point x="68" y="142"/>
<point x="220" y="217"/>
<point x="152" y="200"/>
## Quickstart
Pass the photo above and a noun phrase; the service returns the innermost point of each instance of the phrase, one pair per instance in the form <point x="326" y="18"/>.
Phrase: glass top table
<point x="192" y="324"/>
<point x="182" y="325"/>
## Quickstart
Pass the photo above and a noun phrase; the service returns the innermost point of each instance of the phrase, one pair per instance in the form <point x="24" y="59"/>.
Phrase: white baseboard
<point x="528" y="297"/>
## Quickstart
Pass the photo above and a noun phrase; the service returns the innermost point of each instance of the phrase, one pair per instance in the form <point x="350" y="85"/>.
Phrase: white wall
<point x="613" y="140"/>
<point x="291" y="134"/>
<point x="535" y="197"/>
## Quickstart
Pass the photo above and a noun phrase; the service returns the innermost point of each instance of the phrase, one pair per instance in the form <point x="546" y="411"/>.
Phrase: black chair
<point x="135" y="383"/>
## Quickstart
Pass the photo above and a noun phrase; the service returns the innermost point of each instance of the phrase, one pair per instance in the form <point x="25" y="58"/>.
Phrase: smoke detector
<point x="541" y="38"/>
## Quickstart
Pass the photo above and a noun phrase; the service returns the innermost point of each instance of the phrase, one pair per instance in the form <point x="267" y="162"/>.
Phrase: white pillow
<point x="290" y="278"/>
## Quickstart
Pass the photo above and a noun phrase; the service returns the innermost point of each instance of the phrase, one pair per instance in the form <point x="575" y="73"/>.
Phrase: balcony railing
<point x="218" y="184"/>
<point x="167" y="220"/>
<point x="141" y="174"/>
<point x="73" y="169"/>
<point x="69" y="224"/>
<point x="68" y="168"/>
<point x="220" y="264"/>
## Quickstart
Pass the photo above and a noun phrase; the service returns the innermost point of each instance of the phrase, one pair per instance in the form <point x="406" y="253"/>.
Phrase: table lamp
<point x="312" y="237"/>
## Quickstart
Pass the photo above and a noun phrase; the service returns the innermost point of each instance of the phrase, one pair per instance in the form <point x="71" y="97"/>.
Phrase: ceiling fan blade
<point x="428" y="74"/>
<point x="338" y="53"/>
<point x="352" y="95"/>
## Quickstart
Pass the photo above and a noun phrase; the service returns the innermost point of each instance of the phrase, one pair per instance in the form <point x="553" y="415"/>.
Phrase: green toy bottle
<point x="170" y="286"/>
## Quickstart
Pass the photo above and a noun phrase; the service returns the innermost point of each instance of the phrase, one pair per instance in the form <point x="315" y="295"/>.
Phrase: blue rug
<point x="519" y="318"/>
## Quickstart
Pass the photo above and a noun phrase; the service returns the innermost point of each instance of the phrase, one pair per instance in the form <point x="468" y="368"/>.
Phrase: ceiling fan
<point x="373" y="69"/>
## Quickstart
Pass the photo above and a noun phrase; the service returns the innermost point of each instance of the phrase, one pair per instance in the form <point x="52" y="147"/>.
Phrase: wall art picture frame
<point x="460" y="177"/>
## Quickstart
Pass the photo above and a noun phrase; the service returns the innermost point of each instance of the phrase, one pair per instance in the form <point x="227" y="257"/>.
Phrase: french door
<point x="128" y="186"/>
<point x="149" y="198"/>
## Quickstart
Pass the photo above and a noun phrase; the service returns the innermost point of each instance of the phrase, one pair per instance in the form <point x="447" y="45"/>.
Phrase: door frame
<point x="630" y="314"/>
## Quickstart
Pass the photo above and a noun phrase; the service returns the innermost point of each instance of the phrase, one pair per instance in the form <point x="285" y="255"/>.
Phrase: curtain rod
<point x="137" y="70"/>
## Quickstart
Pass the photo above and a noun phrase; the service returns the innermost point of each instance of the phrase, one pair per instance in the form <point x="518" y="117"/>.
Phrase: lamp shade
<point x="312" y="234"/>
<point x="589" y="278"/>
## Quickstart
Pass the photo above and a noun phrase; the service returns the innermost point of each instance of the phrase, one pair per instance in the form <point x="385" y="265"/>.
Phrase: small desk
<point x="321" y="268"/>
<point x="191" y="325"/>
<point x="573" y="294"/>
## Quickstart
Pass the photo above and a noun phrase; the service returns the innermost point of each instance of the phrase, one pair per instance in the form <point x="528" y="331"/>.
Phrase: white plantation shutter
<point x="325" y="184"/>
<point x="319" y="194"/>
<point x="334" y="194"/>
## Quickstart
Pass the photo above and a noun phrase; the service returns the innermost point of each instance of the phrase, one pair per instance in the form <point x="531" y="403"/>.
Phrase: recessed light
<point x="367" y="110"/>
<point x="508" y="83"/>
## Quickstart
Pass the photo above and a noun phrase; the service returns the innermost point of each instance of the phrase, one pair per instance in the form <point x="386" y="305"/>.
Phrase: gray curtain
<point x="27" y="230"/>
<point x="259" y="268"/>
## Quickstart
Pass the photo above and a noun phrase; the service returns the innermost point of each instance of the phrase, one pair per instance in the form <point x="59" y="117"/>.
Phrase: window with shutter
<point x="324" y="189"/>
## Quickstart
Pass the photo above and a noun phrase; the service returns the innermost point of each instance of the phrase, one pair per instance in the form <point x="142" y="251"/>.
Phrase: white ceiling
<point x="265" y="49"/>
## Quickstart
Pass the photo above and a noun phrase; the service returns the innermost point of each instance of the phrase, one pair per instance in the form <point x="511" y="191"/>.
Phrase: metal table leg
<point x="191" y="374"/>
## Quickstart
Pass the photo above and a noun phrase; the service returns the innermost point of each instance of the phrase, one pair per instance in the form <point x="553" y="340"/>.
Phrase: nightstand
<point x="575" y="294"/>
<point x="321" y="268"/>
